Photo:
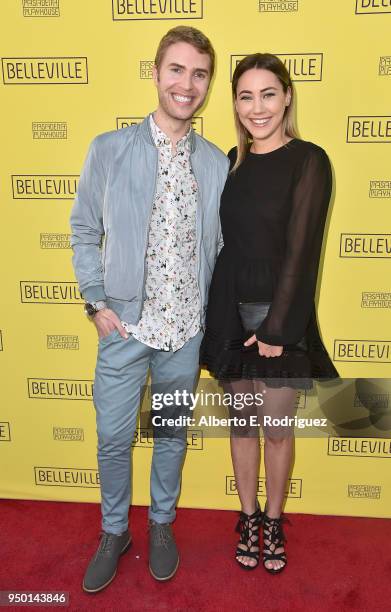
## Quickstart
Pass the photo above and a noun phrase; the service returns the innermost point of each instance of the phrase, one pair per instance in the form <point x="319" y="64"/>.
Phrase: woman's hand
<point x="265" y="350"/>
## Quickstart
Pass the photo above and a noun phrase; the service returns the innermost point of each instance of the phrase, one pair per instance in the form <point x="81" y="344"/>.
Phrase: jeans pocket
<point x="109" y="337"/>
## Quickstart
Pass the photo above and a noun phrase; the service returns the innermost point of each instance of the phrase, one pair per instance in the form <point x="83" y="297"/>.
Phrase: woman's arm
<point x="292" y="303"/>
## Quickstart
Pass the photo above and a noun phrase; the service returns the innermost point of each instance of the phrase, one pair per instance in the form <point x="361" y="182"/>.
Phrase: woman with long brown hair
<point x="262" y="337"/>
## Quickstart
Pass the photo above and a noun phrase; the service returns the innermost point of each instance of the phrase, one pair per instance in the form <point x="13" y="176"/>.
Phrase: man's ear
<point x="155" y="74"/>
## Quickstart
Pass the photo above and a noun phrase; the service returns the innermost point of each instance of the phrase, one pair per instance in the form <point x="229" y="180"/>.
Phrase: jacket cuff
<point x="94" y="294"/>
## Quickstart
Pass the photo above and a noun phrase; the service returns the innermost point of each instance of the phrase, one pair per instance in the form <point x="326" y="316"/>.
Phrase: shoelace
<point x="160" y="533"/>
<point x="246" y="527"/>
<point x="273" y="528"/>
<point x="106" y="544"/>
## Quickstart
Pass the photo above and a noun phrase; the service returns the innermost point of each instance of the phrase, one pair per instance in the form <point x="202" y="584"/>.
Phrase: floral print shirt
<point x="171" y="310"/>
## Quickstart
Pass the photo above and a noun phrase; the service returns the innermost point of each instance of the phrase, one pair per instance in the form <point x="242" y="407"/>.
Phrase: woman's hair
<point x="189" y="35"/>
<point x="267" y="61"/>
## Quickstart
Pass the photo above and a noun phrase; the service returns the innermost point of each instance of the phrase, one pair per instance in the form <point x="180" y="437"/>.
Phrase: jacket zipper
<point x="146" y="236"/>
<point x="198" y="245"/>
<point x="105" y="250"/>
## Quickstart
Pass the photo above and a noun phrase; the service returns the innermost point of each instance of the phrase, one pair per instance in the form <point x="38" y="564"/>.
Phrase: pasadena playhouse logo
<point x="365" y="351"/>
<point x="66" y="477"/>
<point x="278" y="6"/>
<point x="68" y="434"/>
<point x="60" y="389"/>
<point x="50" y="292"/>
<point x="380" y="189"/>
<point x="143" y="438"/>
<point x="369" y="129"/>
<point x="54" y="241"/>
<point x="374" y="401"/>
<point x="69" y="343"/>
<point x="364" y="491"/>
<point x="157" y="9"/>
<point x="44" y="186"/>
<point x="197" y="123"/>
<point x="293" y="489"/>
<point x="385" y="65"/>
<point x="50" y="130"/>
<point x="301" y="66"/>
<point x="45" y="70"/>
<point x="370" y="246"/>
<point x="146" y="69"/>
<point x="41" y="8"/>
<point x="5" y="431"/>
<point x="359" y="447"/>
<point x="376" y="299"/>
<point x="364" y="7"/>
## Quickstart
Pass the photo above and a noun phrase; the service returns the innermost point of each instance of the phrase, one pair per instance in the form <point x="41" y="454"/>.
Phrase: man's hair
<point x="189" y="35"/>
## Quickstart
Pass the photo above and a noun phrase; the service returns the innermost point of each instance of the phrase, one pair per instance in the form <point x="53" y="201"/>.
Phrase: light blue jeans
<point x="120" y="376"/>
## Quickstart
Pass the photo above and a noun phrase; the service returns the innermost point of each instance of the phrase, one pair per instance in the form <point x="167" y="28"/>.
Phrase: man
<point x="152" y="191"/>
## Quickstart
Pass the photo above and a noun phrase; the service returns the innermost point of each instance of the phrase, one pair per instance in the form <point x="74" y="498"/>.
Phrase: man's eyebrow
<point x="174" y="64"/>
<point x="262" y="90"/>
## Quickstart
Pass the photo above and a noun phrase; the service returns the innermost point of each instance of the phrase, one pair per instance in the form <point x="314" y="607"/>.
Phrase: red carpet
<point x="334" y="563"/>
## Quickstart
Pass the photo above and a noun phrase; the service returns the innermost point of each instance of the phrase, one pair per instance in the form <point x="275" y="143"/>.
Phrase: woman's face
<point x="260" y="103"/>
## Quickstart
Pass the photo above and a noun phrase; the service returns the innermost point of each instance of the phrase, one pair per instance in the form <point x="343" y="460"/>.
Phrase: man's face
<point x="182" y="81"/>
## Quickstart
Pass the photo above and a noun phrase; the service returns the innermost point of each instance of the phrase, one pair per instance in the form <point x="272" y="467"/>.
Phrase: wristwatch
<point x="91" y="308"/>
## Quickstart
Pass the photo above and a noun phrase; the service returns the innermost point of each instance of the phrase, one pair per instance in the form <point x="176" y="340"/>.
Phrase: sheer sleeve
<point x="292" y="304"/>
<point x="232" y="155"/>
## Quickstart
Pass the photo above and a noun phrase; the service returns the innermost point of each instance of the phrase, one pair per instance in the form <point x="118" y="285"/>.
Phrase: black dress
<point x="273" y="211"/>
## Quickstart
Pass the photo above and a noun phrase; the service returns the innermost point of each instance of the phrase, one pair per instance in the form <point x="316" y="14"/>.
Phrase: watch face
<point x="89" y="309"/>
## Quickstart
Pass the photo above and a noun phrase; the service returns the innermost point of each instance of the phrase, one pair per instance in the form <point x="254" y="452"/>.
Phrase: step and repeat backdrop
<point x="71" y="70"/>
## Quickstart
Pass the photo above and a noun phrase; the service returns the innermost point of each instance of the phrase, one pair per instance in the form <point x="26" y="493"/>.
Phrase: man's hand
<point x="265" y="350"/>
<point x="107" y="321"/>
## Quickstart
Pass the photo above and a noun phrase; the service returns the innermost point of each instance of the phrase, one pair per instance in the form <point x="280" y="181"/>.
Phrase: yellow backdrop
<point x="71" y="70"/>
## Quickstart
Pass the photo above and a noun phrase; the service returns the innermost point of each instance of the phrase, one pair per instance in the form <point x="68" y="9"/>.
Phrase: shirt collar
<point x="162" y="140"/>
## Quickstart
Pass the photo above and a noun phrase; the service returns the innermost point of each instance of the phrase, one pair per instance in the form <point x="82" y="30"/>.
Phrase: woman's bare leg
<point x="278" y="451"/>
<point x="245" y="452"/>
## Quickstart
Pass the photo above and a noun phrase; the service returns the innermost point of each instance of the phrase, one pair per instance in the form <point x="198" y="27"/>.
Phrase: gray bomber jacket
<point x="112" y="209"/>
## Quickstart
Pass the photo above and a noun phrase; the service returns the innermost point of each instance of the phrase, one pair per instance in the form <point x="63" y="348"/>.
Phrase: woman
<point x="261" y="335"/>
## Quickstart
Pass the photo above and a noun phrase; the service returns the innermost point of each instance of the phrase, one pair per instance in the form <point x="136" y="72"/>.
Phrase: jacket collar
<point x="146" y="134"/>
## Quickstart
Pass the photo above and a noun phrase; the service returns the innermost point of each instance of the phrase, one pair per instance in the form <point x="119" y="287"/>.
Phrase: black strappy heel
<point x="248" y="527"/>
<point x="273" y="534"/>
